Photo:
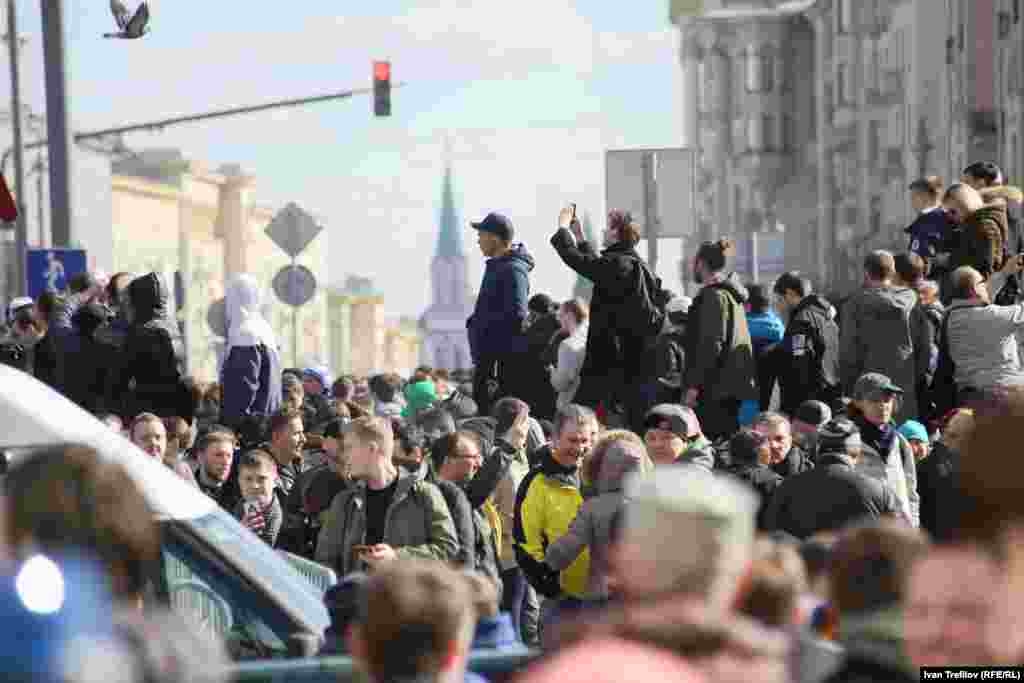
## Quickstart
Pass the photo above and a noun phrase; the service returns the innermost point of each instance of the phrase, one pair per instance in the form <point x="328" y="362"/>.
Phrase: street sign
<point x="292" y="229"/>
<point x="295" y="285"/>
<point x="673" y="175"/>
<point x="217" y="319"/>
<point x="50" y="269"/>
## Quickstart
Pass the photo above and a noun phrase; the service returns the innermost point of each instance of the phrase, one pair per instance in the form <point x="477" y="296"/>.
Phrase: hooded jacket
<point x="808" y="360"/>
<point x="984" y="237"/>
<point x="614" y="355"/>
<point x="251" y="376"/>
<point x="496" y="326"/>
<point x="719" y="352"/>
<point x="884" y="331"/>
<point x="927" y="233"/>
<point x="546" y="505"/>
<point x="592" y="527"/>
<point x="153" y="355"/>
<point x="418" y="396"/>
<point x="89" y="362"/>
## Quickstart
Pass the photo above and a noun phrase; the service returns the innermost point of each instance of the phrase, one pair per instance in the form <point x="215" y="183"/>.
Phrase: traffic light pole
<point x="58" y="133"/>
<point x="21" y="222"/>
<point x="205" y="116"/>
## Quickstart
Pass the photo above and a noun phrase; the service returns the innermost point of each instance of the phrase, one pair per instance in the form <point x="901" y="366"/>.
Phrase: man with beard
<point x="720" y="369"/>
<point x="216" y="450"/>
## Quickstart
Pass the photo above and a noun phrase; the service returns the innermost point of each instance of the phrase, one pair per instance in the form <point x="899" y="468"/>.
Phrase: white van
<point x="245" y="592"/>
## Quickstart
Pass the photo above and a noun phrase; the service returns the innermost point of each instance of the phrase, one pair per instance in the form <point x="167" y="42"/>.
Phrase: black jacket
<point x="533" y="382"/>
<point x="828" y="497"/>
<point x="807" y="359"/>
<point x="153" y="356"/>
<point x="462" y="517"/>
<point x="937" y="485"/>
<point x="760" y="478"/>
<point x="614" y="354"/>
<point x="88" y="362"/>
<point x="796" y="462"/>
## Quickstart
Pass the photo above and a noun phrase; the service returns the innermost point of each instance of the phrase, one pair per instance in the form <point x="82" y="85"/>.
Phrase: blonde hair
<point x="376" y="430"/>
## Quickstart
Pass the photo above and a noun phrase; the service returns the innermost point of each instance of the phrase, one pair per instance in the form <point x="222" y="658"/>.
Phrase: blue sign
<point x="50" y="269"/>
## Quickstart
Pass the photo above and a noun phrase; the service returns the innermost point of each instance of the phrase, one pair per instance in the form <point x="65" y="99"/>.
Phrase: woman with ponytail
<point x="720" y="369"/>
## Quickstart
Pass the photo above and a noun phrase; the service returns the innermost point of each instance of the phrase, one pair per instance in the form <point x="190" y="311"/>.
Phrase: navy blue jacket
<point x="252" y="383"/>
<point x="496" y="326"/>
<point x="927" y="233"/>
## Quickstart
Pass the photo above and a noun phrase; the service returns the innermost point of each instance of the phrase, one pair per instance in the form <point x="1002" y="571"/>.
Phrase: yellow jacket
<point x="546" y="504"/>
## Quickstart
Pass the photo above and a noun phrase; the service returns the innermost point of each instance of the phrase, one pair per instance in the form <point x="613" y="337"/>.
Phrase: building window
<point x="844" y="85"/>
<point x="844" y="16"/>
<point x="787" y="133"/>
<point x="768" y="137"/>
<point x="703" y="84"/>
<point x="737" y="204"/>
<point x="760" y="76"/>
<point x="739" y="135"/>
<point x="1004" y="25"/>
<point x="1016" y="11"/>
<point x="755" y="134"/>
<point x="874" y="142"/>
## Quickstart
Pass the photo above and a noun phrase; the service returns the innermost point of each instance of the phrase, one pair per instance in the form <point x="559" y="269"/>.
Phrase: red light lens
<point x="382" y="71"/>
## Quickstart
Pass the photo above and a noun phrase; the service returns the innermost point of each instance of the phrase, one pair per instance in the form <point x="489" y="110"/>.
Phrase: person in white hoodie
<point x="251" y="375"/>
<point x="573" y="315"/>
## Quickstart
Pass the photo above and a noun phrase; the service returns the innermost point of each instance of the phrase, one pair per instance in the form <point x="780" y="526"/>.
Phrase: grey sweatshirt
<point x="983" y="344"/>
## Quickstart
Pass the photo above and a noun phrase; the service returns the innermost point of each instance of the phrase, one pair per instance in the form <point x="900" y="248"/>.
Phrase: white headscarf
<point x="245" y="321"/>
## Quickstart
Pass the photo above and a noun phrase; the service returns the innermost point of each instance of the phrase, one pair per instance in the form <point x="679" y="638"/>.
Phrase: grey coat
<point x="885" y="331"/>
<point x="418" y="525"/>
<point x="592" y="526"/>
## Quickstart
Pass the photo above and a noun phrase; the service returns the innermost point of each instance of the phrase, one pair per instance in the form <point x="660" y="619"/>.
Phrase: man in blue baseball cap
<point x="496" y="328"/>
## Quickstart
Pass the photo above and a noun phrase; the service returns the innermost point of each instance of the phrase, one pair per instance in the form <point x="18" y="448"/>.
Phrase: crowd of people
<point x="755" y="483"/>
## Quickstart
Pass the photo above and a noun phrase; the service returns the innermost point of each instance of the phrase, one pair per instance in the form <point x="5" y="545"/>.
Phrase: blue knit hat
<point x="321" y="374"/>
<point x="914" y="431"/>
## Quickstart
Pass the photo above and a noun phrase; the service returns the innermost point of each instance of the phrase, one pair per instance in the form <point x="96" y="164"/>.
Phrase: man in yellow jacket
<point x="547" y="502"/>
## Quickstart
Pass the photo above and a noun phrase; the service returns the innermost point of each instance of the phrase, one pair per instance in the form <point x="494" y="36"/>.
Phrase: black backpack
<point x="647" y="317"/>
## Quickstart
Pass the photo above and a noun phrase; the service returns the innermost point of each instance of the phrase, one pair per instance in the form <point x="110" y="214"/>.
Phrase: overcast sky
<point x="530" y="93"/>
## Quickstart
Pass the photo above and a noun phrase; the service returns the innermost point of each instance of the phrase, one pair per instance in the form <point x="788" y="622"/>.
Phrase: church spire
<point x="449" y="242"/>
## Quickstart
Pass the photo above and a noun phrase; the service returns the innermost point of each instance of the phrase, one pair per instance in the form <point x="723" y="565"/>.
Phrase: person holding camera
<point x="626" y="311"/>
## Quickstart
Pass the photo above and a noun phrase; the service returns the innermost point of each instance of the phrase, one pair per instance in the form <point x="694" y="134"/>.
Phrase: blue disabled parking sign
<point x="51" y="269"/>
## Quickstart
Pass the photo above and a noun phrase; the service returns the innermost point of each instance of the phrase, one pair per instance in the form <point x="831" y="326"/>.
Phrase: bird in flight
<point x="130" y="26"/>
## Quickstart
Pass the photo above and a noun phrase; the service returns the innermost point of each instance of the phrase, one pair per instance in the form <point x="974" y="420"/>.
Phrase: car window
<point x="207" y="592"/>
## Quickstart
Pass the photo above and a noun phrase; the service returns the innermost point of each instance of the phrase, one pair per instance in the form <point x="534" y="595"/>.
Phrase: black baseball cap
<point x="496" y="224"/>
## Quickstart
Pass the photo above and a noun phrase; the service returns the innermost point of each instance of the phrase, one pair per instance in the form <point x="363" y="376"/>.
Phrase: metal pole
<point x="651" y="209"/>
<point x="295" y="325"/>
<point x="58" y="134"/>
<point x="40" y="202"/>
<point x="20" y="226"/>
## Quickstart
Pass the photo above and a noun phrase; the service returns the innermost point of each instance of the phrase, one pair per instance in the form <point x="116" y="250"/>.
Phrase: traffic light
<point x="382" y="88"/>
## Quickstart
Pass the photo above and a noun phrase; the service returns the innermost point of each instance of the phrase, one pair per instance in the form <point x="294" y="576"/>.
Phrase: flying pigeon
<point x="129" y="28"/>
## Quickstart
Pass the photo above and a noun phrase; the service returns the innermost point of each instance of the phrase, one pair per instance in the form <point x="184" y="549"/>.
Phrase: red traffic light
<point x="382" y="71"/>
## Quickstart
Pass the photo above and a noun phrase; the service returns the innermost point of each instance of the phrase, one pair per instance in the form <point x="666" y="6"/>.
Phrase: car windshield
<point x="247" y="551"/>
